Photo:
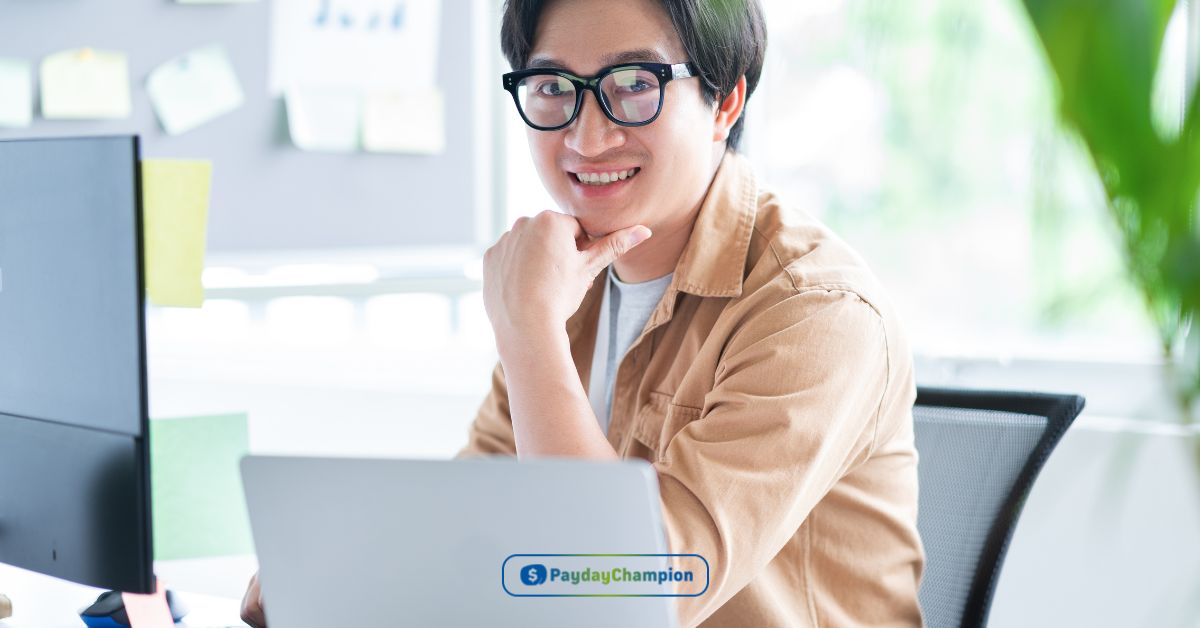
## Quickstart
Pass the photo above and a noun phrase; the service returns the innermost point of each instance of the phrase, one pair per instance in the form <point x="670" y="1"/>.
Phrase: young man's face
<point x="675" y="156"/>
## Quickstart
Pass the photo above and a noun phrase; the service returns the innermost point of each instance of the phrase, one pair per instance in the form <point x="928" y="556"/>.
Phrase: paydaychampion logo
<point x="604" y="575"/>
<point x="533" y="575"/>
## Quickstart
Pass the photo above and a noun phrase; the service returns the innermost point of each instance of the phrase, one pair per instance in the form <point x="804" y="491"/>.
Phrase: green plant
<point x="1105" y="54"/>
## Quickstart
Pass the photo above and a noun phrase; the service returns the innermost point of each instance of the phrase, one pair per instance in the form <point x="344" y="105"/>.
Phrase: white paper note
<point x="324" y="119"/>
<point x="363" y="44"/>
<point x="404" y="122"/>
<point x="85" y="84"/>
<point x="193" y="88"/>
<point x="16" y="93"/>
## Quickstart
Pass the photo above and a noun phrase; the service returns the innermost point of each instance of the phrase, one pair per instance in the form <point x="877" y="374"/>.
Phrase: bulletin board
<point x="268" y="195"/>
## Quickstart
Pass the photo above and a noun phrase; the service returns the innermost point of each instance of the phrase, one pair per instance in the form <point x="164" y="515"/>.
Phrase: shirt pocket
<point x="656" y="424"/>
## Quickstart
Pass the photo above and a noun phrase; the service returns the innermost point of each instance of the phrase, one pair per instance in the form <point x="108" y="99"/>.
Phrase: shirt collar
<point x="714" y="259"/>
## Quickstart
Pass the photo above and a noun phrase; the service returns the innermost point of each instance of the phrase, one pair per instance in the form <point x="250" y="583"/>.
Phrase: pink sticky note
<point x="148" y="610"/>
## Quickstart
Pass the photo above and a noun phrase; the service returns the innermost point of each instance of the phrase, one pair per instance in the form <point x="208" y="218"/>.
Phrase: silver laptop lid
<point x="368" y="542"/>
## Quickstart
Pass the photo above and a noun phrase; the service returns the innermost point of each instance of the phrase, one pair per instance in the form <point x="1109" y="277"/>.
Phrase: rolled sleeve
<point x="794" y="406"/>
<point x="491" y="432"/>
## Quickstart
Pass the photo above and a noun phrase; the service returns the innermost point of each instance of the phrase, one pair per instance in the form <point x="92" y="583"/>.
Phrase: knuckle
<point x="547" y="218"/>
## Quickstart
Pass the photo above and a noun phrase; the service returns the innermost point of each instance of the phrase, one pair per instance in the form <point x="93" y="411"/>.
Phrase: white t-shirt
<point x="624" y="311"/>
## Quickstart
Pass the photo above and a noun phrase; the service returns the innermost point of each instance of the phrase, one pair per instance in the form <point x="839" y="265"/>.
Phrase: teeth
<point x="602" y="178"/>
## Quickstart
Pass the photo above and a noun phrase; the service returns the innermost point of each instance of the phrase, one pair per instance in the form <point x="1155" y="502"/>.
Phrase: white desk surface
<point x="211" y="590"/>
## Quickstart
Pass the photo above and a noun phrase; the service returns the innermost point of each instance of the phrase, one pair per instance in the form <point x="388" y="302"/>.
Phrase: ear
<point x="729" y="110"/>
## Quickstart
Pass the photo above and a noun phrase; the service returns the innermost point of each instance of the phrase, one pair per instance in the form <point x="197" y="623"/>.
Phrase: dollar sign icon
<point x="534" y="574"/>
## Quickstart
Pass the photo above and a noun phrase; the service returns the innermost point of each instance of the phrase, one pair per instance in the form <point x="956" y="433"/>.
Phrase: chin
<point x="599" y="222"/>
<point x="596" y="229"/>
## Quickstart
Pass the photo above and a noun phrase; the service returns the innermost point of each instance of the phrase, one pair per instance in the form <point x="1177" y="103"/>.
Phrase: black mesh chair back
<point x="979" y="453"/>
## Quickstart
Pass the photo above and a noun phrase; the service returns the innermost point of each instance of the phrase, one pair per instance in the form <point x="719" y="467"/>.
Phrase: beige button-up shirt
<point x="772" y="390"/>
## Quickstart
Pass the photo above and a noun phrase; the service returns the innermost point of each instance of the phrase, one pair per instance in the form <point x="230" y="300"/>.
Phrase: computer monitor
<point x="74" y="468"/>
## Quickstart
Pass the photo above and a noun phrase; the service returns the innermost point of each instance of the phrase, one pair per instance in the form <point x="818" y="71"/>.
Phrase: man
<point x="679" y="314"/>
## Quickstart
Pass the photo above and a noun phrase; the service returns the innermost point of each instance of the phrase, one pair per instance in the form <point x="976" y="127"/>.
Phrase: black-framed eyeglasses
<point x="630" y="94"/>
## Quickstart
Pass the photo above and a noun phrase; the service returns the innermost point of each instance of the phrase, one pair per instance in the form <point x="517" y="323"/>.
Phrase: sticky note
<point x="404" y="122"/>
<point x="85" y="84"/>
<point x="193" y="88"/>
<point x="324" y="119"/>
<point x="175" y="196"/>
<point x="197" y="501"/>
<point x="149" y="610"/>
<point x="16" y="93"/>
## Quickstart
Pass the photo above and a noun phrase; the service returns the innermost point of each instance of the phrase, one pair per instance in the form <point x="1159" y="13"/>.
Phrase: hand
<point x="535" y="276"/>
<point x="252" y="605"/>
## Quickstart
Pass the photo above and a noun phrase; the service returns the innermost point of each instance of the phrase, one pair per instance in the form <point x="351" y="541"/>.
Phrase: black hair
<point x="724" y="39"/>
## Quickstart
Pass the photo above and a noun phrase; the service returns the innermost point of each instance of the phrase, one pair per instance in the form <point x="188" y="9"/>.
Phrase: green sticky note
<point x="85" y="84"/>
<point x="175" y="223"/>
<point x="324" y="119"/>
<point x="196" y="490"/>
<point x="16" y="93"/>
<point x="193" y="88"/>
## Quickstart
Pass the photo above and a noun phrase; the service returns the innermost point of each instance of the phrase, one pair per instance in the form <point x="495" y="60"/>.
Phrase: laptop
<point x="477" y="542"/>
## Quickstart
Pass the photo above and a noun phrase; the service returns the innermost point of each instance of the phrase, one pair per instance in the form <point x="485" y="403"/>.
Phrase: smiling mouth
<point x="605" y="178"/>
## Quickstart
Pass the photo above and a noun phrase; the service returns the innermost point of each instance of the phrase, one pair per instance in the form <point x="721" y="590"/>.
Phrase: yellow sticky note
<point x="16" y="93"/>
<point x="405" y="122"/>
<point x="193" y="88"/>
<point x="85" y="84"/>
<point x="324" y="119"/>
<point x="175" y="222"/>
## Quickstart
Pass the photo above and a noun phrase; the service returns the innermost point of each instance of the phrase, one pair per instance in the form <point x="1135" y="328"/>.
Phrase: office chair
<point x="979" y="453"/>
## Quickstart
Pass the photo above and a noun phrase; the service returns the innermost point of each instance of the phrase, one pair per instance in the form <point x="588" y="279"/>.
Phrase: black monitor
<point x="74" y="468"/>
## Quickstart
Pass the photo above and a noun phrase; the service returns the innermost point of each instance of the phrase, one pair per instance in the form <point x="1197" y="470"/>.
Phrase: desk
<point x="43" y="602"/>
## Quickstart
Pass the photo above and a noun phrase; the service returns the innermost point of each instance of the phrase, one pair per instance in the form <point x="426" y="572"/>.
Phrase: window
<point x="925" y="134"/>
